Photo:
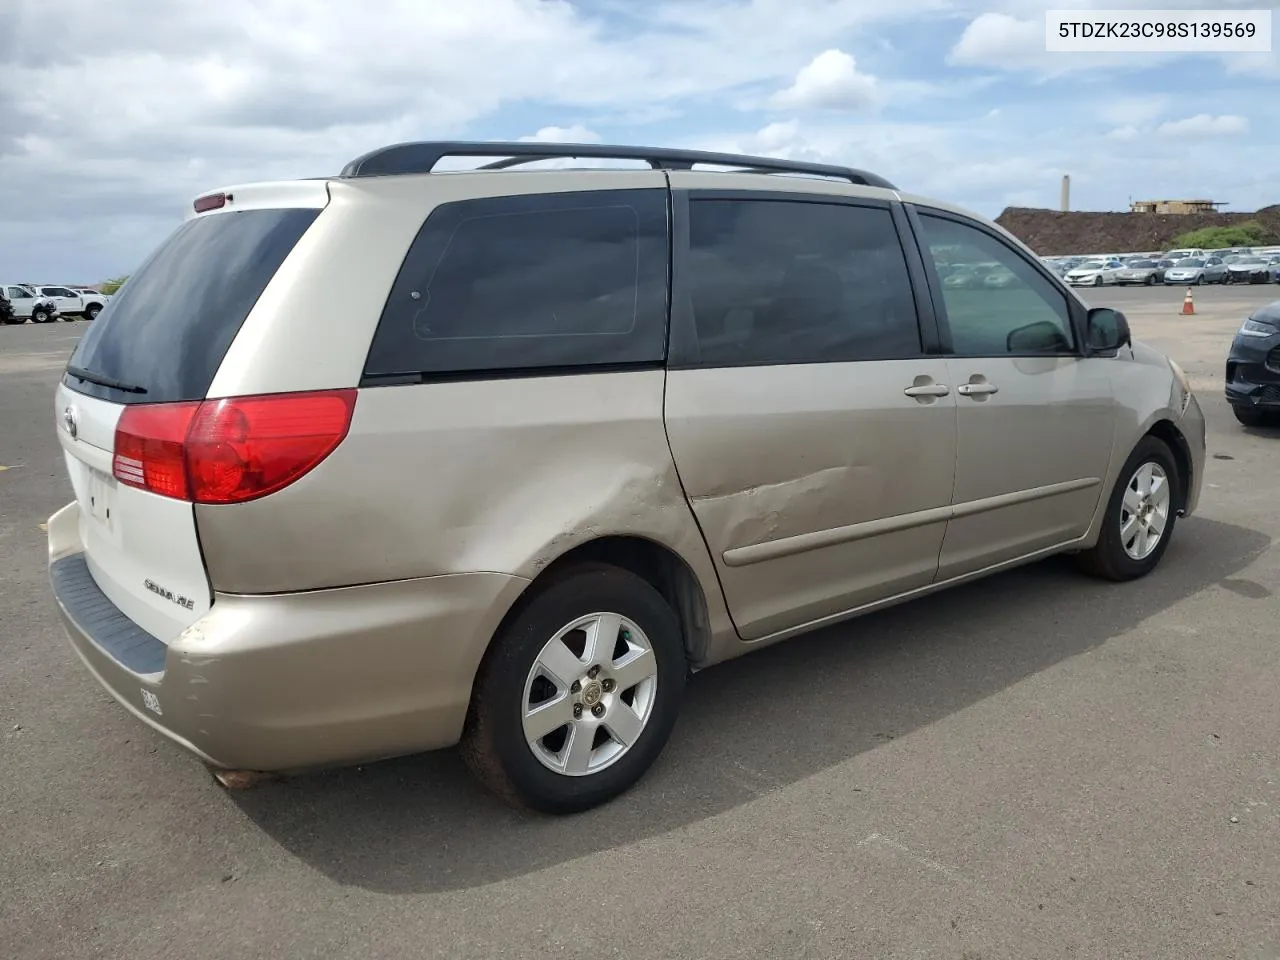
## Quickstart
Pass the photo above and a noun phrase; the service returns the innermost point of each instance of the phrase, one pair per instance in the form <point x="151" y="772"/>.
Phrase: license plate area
<point x="101" y="495"/>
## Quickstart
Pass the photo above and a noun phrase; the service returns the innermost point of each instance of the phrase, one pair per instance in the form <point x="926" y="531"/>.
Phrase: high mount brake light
<point x="229" y="450"/>
<point x="212" y="201"/>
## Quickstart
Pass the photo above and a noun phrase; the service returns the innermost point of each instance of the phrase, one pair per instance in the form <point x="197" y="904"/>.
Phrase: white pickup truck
<point x="28" y="305"/>
<point x="77" y="302"/>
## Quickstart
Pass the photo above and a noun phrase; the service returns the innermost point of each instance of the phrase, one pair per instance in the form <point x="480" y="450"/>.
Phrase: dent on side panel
<point x="498" y="476"/>
<point x="818" y="488"/>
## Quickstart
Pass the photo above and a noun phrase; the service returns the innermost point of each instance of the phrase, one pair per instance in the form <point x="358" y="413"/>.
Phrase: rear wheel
<point x="1251" y="417"/>
<point x="578" y="693"/>
<point x="1140" y="515"/>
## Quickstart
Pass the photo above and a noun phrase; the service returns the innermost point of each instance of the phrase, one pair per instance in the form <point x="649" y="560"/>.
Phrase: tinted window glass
<point x="1011" y="309"/>
<point x="547" y="281"/>
<point x="776" y="281"/>
<point x="169" y="327"/>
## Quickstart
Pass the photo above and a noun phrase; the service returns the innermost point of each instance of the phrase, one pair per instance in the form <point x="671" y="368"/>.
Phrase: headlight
<point x="1256" y="328"/>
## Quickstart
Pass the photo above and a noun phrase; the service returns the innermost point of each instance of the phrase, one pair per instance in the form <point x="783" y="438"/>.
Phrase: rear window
<point x="166" y="331"/>
<point x="548" y="282"/>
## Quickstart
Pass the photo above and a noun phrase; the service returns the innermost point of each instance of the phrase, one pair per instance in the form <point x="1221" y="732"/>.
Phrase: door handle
<point x="977" y="388"/>
<point x="928" y="390"/>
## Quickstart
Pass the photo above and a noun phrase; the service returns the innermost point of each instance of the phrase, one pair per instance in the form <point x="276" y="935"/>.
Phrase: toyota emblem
<point x="69" y="418"/>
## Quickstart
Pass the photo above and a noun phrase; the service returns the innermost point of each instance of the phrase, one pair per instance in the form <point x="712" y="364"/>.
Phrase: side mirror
<point x="1106" y="331"/>
<point x="1042" y="337"/>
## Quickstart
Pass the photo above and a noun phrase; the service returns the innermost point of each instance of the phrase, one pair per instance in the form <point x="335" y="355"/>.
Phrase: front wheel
<point x="1097" y="281"/>
<point x="578" y="693"/>
<point x="39" y="315"/>
<point x="1140" y="515"/>
<point x="91" y="312"/>
<point x="1151" y="281"/>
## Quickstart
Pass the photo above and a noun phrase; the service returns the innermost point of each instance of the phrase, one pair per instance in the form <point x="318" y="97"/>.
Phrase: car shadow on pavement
<point x="749" y="727"/>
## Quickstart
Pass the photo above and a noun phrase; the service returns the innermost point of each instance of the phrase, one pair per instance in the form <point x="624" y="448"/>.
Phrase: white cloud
<point x="1127" y="111"/>
<point x="991" y="166"/>
<point x="830" y="81"/>
<point x="1204" y="125"/>
<point x="149" y="102"/>
<point x="572" y="134"/>
<point x="1127" y="132"/>
<point x="997" y="39"/>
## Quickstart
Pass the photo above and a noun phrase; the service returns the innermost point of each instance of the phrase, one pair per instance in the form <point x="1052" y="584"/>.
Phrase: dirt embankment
<point x="1051" y="233"/>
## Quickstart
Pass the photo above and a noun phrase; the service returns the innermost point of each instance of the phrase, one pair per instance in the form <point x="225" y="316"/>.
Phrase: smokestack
<point x="1066" y="194"/>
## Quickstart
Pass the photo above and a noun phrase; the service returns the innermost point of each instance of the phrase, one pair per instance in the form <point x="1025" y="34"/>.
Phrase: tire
<point x="1151" y="281"/>
<point x="1097" y="281"/>
<point x="91" y="312"/>
<point x="1199" y="281"/>
<point x="1252" y="417"/>
<point x="39" y="315"/>
<point x="494" y="745"/>
<point x="1109" y="559"/>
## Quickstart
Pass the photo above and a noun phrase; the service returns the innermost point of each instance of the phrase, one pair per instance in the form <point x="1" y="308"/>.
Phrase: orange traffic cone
<point x="1188" y="305"/>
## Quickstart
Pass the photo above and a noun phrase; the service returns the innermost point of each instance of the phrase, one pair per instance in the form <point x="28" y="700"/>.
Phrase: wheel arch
<point x="657" y="564"/>
<point x="1167" y="431"/>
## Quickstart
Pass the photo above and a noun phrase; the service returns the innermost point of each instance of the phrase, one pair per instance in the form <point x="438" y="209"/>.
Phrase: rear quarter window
<point x="545" y="282"/>
<point x="168" y="329"/>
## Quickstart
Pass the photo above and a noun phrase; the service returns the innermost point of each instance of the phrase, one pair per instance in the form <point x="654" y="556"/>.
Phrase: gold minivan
<point x="394" y="460"/>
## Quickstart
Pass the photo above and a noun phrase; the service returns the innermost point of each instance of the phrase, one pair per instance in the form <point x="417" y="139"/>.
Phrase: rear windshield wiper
<point x="80" y="373"/>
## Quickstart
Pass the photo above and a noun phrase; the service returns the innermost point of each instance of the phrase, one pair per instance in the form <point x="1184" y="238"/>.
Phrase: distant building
<point x="1175" y="206"/>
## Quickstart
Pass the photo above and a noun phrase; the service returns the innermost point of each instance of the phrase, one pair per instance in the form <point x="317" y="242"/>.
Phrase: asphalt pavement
<point x="1035" y="766"/>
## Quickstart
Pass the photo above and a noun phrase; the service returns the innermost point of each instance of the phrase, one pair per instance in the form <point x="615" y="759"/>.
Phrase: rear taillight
<point x="229" y="450"/>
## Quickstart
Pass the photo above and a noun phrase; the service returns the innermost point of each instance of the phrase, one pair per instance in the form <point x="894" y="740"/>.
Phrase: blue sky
<point x="149" y="102"/>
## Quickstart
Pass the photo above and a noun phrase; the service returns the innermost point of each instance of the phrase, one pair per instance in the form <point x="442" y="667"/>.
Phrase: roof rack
<point x="406" y="158"/>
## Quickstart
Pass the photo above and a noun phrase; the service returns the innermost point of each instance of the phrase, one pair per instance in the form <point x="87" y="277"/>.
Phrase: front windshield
<point x="1141" y="264"/>
<point x="1190" y="263"/>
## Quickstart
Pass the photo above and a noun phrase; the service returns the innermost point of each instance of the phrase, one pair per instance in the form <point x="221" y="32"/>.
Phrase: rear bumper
<point x="292" y="681"/>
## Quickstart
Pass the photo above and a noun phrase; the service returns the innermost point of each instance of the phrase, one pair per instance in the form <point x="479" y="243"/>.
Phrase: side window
<point x="545" y="281"/>
<point x="778" y="281"/>
<point x="996" y="302"/>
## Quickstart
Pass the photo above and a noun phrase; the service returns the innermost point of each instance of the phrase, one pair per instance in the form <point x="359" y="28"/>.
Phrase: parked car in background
<point x="29" y="305"/>
<point x="1000" y="278"/>
<point x="69" y="303"/>
<point x="514" y="479"/>
<point x="1193" y="270"/>
<point x="1248" y="270"/>
<point x="6" y="309"/>
<point x="1193" y="253"/>
<point x="967" y="276"/>
<point x="1094" y="273"/>
<point x="94" y="302"/>
<point x="1145" y="272"/>
<point x="1253" y="369"/>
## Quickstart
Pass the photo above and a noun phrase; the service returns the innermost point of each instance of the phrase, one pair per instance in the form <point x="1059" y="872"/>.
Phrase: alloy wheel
<point x="589" y="694"/>
<point x="1144" y="511"/>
